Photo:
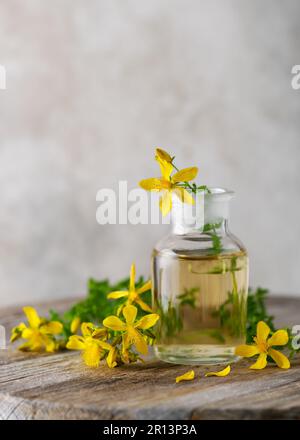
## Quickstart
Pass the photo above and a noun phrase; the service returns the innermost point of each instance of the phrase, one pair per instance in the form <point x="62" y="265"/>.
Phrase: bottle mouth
<point x="219" y="194"/>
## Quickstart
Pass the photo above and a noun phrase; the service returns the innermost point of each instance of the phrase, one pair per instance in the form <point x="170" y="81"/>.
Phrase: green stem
<point x="193" y="188"/>
<point x="234" y="282"/>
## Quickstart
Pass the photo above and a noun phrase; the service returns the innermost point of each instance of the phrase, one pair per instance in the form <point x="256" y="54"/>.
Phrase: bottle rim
<point x="219" y="193"/>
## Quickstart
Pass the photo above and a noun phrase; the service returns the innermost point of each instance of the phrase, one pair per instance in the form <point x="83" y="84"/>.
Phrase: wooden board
<point x="60" y="387"/>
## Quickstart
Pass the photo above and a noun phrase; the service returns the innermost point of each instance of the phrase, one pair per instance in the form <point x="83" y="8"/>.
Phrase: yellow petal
<point x="221" y="373"/>
<point x="145" y="287"/>
<point x="147" y="321"/>
<point x="76" y="343"/>
<point x="246" y="350"/>
<point x="91" y="355"/>
<point x="87" y="328"/>
<point x="75" y="324"/>
<point x="163" y="155"/>
<point x="152" y="184"/>
<point x="28" y="333"/>
<point x="130" y="313"/>
<point x="185" y="175"/>
<point x="111" y="358"/>
<point x="260" y="363"/>
<point x="32" y="316"/>
<point x="132" y="278"/>
<point x="143" y="305"/>
<point x="103" y="344"/>
<point x="137" y="339"/>
<point x="125" y="342"/>
<point x="50" y="345"/>
<point x="280" y="337"/>
<point x="114" y="323"/>
<point x="166" y="168"/>
<point x="118" y="294"/>
<point x="280" y="359"/>
<point x="119" y="309"/>
<point x="190" y="375"/>
<point x="184" y="196"/>
<point x="165" y="203"/>
<point x="262" y="331"/>
<point x="52" y="328"/>
<point x="17" y="331"/>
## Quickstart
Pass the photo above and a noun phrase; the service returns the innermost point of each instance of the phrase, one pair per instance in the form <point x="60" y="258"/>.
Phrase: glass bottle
<point x="200" y="284"/>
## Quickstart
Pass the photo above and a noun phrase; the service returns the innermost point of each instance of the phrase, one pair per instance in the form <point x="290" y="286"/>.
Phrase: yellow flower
<point x="130" y="328"/>
<point x="263" y="347"/>
<point x="40" y="332"/>
<point x="221" y="373"/>
<point x="133" y="294"/>
<point x="190" y="375"/>
<point x="169" y="184"/>
<point x="92" y="346"/>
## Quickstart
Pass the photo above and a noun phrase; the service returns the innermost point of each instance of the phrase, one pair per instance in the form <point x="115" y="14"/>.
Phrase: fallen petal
<point x="190" y="375"/>
<point x="222" y="373"/>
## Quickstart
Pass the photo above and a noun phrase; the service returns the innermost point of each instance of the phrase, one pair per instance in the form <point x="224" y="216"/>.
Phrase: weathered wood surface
<point x="60" y="387"/>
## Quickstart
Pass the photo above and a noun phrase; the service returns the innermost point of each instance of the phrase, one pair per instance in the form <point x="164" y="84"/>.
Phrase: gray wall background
<point x="93" y="86"/>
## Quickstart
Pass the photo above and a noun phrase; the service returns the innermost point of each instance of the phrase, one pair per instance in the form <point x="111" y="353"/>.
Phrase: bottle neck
<point x="209" y="214"/>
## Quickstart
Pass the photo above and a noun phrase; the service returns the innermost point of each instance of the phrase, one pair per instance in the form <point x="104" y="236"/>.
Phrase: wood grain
<point x="60" y="387"/>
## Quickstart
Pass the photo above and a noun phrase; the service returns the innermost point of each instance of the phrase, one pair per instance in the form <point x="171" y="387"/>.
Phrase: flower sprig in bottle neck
<point x="169" y="184"/>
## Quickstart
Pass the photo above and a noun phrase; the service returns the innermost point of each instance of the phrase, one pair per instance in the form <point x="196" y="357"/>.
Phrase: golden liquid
<point x="202" y="304"/>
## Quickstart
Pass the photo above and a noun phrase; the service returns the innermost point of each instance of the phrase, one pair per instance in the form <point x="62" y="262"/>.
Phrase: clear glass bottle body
<point x="200" y="286"/>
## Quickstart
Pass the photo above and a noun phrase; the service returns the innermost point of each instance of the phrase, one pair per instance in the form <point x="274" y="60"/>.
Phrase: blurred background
<point x="93" y="87"/>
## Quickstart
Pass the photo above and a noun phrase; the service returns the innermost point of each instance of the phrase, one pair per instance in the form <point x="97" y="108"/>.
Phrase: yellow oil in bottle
<point x="202" y="303"/>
